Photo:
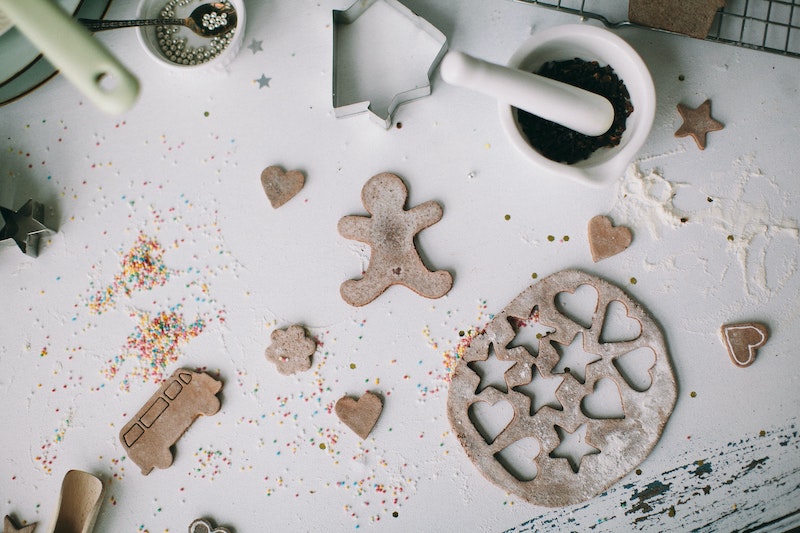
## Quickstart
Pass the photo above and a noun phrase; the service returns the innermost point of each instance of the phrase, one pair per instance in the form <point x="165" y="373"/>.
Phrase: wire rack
<point x="767" y="25"/>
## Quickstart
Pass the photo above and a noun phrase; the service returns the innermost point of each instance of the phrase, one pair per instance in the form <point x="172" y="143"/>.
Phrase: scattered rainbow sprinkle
<point x="47" y="455"/>
<point x="143" y="268"/>
<point x="210" y="463"/>
<point x="155" y="343"/>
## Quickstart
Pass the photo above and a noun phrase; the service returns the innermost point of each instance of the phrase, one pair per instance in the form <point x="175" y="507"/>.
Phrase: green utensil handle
<point x="71" y="49"/>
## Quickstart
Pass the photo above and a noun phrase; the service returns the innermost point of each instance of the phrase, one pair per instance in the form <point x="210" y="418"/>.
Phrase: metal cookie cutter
<point x="24" y="226"/>
<point x="383" y="56"/>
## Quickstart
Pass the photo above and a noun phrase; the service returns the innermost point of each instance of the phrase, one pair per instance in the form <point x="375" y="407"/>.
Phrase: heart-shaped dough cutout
<point x="634" y="367"/>
<point x="605" y="239"/>
<point x="605" y="402"/>
<point x="618" y="326"/>
<point x="281" y="186"/>
<point x="578" y="305"/>
<point x="519" y="458"/>
<point x="359" y="415"/>
<point x="490" y="420"/>
<point x="743" y="341"/>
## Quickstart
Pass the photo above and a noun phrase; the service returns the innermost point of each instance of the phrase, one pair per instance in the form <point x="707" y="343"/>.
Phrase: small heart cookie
<point x="281" y="186"/>
<point x="605" y="239"/>
<point x="743" y="341"/>
<point x="359" y="415"/>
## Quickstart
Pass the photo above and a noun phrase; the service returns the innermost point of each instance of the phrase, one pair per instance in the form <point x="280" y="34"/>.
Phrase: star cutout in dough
<point x="573" y="446"/>
<point x="24" y="226"/>
<point x="263" y="81"/>
<point x="255" y="46"/>
<point x="697" y="123"/>
<point x="8" y="527"/>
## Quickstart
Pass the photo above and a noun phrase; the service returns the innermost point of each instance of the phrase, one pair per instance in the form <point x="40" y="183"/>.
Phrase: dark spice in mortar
<point x="562" y="144"/>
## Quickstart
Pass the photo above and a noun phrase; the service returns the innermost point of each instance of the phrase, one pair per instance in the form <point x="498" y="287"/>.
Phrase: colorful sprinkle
<point x="155" y="343"/>
<point x="143" y="268"/>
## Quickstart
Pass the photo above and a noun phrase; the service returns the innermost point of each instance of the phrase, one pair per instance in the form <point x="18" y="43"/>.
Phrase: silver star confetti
<point x="255" y="46"/>
<point x="263" y="81"/>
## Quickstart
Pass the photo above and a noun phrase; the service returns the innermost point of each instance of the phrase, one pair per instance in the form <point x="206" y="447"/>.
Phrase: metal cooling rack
<point x="767" y="25"/>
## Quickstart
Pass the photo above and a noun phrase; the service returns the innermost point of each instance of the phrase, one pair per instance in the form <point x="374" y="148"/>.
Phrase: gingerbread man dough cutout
<point x="390" y="234"/>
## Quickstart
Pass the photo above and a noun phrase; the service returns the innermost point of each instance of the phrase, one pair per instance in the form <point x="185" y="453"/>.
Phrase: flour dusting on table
<point x="744" y="207"/>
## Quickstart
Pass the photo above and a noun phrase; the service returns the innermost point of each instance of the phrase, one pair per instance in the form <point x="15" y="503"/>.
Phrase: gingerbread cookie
<point x="359" y="415"/>
<point x="743" y="341"/>
<point x="281" y="186"/>
<point x="389" y="232"/>
<point x="605" y="239"/>
<point x="291" y="350"/>
<point x="573" y="450"/>
<point x="697" y="123"/>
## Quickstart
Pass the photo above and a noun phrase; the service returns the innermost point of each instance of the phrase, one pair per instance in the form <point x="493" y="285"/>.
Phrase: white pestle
<point x="575" y="108"/>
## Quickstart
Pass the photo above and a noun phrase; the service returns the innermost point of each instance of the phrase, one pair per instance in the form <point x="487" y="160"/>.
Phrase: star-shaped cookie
<point x="24" y="226"/>
<point x="9" y="527"/>
<point x="697" y="123"/>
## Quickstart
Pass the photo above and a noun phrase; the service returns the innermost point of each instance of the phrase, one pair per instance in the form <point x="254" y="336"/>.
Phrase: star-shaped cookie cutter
<point x="25" y="226"/>
<point x="383" y="56"/>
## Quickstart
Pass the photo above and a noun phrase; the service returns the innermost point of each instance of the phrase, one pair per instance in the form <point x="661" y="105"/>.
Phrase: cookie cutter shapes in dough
<point x="383" y="56"/>
<point x="623" y="443"/>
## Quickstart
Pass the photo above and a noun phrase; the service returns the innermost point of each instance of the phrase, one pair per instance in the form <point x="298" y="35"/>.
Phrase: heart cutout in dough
<point x="618" y="326"/>
<point x="743" y="341"/>
<point x="491" y="420"/>
<point x="579" y="305"/>
<point x="519" y="458"/>
<point x="281" y="186"/>
<point x="605" y="239"/>
<point x="359" y="415"/>
<point x="605" y="402"/>
<point x="634" y="367"/>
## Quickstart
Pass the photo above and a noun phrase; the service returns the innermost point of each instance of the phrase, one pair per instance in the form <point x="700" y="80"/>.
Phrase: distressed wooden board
<point x="748" y="484"/>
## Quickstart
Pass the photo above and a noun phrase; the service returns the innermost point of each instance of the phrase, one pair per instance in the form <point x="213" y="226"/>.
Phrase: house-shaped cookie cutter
<point x="383" y="56"/>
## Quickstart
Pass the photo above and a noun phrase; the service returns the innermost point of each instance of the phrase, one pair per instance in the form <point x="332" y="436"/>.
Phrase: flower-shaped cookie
<point x="291" y="350"/>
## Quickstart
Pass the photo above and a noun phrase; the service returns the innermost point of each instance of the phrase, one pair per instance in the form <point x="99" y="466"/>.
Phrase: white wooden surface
<point x="182" y="168"/>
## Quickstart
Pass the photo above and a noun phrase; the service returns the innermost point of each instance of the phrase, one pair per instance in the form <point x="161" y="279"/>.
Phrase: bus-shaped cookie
<point x="184" y="396"/>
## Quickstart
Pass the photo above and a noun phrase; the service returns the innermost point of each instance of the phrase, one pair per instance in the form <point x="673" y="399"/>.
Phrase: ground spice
<point x="562" y="144"/>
